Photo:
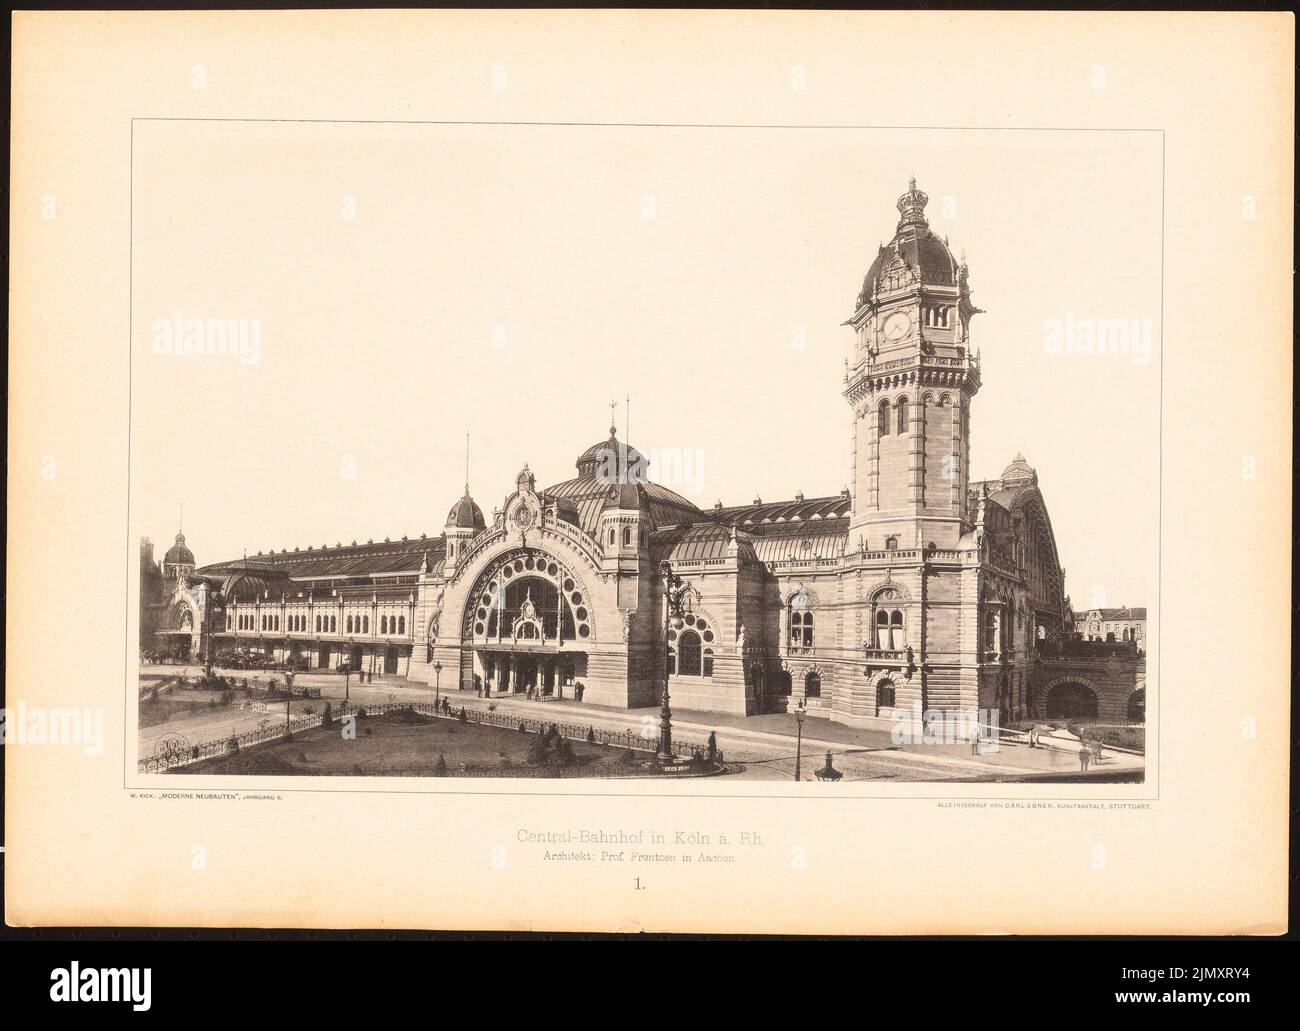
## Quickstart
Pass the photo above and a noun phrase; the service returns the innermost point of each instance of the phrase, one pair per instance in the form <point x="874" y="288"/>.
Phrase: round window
<point x="552" y="569"/>
<point x="576" y="597"/>
<point x="708" y="635"/>
<point x="478" y="628"/>
<point x="581" y="613"/>
<point x="568" y="584"/>
<point x="584" y="631"/>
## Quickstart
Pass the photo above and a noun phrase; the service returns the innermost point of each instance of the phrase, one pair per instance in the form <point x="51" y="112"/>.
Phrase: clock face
<point x="897" y="325"/>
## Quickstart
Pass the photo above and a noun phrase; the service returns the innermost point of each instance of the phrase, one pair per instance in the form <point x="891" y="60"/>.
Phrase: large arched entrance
<point x="528" y="623"/>
<point x="1071" y="700"/>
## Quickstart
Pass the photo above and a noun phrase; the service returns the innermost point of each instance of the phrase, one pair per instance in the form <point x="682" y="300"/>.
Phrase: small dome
<point x="622" y="495"/>
<point x="613" y="460"/>
<point x="1019" y="469"/>
<point x="465" y="514"/>
<point x="178" y="554"/>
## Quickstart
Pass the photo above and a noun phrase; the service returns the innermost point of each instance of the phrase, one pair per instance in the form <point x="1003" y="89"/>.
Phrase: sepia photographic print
<point x="650" y="472"/>
<point x="901" y="614"/>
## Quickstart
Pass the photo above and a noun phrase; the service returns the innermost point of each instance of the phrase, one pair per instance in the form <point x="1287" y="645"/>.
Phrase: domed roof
<point x="625" y="495"/>
<point x="178" y="554"/>
<point x="613" y="460"/>
<point x="1019" y="469"/>
<point x="465" y="514"/>
<point x="915" y="256"/>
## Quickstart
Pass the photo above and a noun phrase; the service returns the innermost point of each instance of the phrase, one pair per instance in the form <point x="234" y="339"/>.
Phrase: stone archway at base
<point x="1070" y="699"/>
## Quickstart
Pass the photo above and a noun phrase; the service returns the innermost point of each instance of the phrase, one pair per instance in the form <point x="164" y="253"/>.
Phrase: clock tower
<point x="909" y="384"/>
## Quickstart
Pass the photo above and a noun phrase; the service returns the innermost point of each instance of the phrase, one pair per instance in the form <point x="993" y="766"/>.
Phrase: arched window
<point x="991" y="633"/>
<point x="882" y="419"/>
<point x="672" y="661"/>
<point x="627" y="536"/>
<point x="401" y="624"/>
<point x="901" y="410"/>
<point x="885" y="696"/>
<point x="801" y="628"/>
<point x="882" y="630"/>
<point x="611" y="536"/>
<point x="812" y="684"/>
<point x="365" y="624"/>
<point x="383" y="624"/>
<point x="318" y="624"/>
<point x="897" y="630"/>
<point x="708" y="662"/>
<point x="891" y="543"/>
<point x="348" y="624"/>
<point x="334" y="624"/>
<point x="688" y="654"/>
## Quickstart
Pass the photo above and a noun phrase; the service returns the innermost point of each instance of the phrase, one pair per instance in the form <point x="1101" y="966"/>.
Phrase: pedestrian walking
<point x="975" y="740"/>
<point x="1084" y="756"/>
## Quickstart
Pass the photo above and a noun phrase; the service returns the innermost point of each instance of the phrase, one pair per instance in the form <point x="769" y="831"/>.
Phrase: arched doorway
<point x="1137" y="706"/>
<point x="1071" y="701"/>
<point x="886" y="697"/>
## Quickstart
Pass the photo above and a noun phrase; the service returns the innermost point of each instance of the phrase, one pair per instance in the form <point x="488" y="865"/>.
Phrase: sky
<point x="409" y="284"/>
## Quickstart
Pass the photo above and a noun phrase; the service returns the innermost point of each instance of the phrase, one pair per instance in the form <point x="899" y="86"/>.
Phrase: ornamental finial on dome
<point x="911" y="206"/>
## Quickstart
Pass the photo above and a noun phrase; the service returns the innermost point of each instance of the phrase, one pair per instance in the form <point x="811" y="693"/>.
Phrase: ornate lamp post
<point x="800" y="712"/>
<point x="676" y="603"/>
<point x="437" y="684"/>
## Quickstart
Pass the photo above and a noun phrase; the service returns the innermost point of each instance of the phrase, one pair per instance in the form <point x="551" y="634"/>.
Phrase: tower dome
<point x="465" y="514"/>
<point x="613" y="460"/>
<point x="915" y="257"/>
<point x="178" y="554"/>
<point x="1019" y="470"/>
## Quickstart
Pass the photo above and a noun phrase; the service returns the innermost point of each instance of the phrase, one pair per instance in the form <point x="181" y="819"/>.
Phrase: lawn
<point x="397" y="744"/>
<point x="179" y="702"/>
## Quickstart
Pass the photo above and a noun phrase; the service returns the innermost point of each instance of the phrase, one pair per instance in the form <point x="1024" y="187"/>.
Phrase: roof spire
<point x="613" y="429"/>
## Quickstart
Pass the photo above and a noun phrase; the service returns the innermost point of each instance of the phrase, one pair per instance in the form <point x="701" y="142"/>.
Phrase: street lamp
<point x="800" y="713"/>
<point x="676" y="602"/>
<point x="437" y="684"/>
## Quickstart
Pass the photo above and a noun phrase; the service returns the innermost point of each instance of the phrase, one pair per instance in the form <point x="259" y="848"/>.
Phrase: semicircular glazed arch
<point x="1041" y="558"/>
<point x="530" y="596"/>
